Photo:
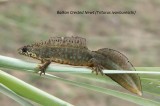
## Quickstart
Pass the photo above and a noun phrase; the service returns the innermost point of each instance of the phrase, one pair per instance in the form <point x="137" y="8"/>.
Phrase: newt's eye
<point x="24" y="49"/>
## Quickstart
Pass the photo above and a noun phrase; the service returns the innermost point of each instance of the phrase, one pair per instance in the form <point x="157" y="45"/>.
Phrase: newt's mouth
<point x="20" y="51"/>
<point x="24" y="51"/>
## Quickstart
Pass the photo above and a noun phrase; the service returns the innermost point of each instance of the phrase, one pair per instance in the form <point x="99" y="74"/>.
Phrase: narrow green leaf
<point x="27" y="91"/>
<point x="14" y="96"/>
<point x="151" y="86"/>
<point x="132" y="98"/>
<point x="148" y="85"/>
<point x="149" y="69"/>
<point x="7" y="62"/>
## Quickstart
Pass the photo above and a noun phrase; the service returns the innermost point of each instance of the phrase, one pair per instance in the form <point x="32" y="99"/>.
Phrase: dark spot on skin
<point x="24" y="49"/>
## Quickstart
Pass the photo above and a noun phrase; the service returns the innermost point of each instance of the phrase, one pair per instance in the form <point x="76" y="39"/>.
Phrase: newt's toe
<point x="42" y="70"/>
<point x="97" y="70"/>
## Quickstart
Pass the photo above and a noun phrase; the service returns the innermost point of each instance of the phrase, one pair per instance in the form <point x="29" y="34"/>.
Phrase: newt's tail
<point x="130" y="82"/>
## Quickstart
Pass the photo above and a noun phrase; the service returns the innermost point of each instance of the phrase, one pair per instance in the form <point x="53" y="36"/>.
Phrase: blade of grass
<point x="27" y="91"/>
<point x="21" y="65"/>
<point x="149" y="85"/>
<point x="7" y="62"/>
<point x="149" y="69"/>
<point x="14" y="96"/>
<point x="132" y="98"/>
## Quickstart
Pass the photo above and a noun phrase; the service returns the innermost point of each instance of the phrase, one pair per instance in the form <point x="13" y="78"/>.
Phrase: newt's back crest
<point x="74" y="42"/>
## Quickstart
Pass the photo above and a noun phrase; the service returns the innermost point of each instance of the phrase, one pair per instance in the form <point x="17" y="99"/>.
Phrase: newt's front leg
<point x="96" y="66"/>
<point x="44" y="66"/>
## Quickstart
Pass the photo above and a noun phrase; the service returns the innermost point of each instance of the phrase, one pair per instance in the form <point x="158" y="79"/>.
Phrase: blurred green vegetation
<point x="137" y="36"/>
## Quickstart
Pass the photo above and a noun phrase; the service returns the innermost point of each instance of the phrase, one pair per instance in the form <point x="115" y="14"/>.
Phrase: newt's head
<point x="27" y="51"/>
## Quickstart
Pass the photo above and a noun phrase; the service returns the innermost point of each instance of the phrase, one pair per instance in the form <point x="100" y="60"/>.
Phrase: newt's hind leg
<point x="96" y="66"/>
<point x="42" y="68"/>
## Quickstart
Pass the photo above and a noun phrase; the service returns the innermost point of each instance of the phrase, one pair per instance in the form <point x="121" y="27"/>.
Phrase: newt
<point x="73" y="51"/>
